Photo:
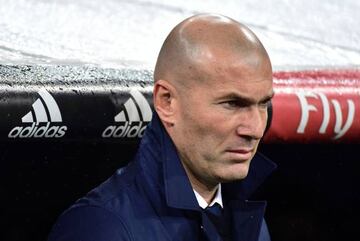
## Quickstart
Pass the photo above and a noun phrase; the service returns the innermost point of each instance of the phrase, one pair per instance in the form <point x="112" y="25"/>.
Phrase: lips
<point x="241" y="154"/>
<point x="241" y="151"/>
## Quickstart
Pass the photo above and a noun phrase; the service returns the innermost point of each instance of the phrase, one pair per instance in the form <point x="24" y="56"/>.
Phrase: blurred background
<point x="89" y="54"/>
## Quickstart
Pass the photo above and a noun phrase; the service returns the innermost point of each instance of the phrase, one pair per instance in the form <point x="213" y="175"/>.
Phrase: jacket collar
<point x="161" y="154"/>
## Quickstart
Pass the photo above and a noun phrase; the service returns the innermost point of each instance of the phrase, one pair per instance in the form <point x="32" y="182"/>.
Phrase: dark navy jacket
<point x="152" y="199"/>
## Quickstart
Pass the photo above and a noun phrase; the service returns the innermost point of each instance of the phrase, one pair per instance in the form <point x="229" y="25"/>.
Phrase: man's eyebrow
<point x="248" y="100"/>
<point x="267" y="98"/>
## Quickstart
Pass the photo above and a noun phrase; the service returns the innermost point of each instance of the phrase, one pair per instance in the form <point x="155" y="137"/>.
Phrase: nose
<point x="252" y="122"/>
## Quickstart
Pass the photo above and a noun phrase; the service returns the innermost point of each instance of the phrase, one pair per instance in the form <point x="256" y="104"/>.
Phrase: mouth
<point x="241" y="154"/>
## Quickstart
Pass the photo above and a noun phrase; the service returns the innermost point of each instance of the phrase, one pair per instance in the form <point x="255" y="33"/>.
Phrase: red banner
<point x="316" y="106"/>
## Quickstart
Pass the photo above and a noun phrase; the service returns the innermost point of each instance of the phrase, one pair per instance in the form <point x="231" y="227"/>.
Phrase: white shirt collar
<point x="217" y="199"/>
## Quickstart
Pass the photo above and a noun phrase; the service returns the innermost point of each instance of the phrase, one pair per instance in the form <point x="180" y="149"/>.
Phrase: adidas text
<point x="37" y="131"/>
<point x="135" y="129"/>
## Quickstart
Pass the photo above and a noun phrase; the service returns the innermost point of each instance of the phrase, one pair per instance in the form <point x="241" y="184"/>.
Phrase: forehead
<point x="247" y="80"/>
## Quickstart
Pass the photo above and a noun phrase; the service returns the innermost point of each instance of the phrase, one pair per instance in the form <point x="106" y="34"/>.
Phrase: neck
<point x="206" y="190"/>
<point x="207" y="195"/>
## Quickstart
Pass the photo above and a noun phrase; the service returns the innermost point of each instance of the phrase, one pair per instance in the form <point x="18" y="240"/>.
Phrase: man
<point x="213" y="84"/>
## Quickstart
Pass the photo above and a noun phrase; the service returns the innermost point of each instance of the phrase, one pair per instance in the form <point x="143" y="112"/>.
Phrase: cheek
<point x="210" y="135"/>
<point x="203" y="126"/>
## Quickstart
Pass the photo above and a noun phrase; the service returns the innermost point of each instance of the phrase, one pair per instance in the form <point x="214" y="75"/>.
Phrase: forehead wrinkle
<point x="249" y="99"/>
<point x="223" y="92"/>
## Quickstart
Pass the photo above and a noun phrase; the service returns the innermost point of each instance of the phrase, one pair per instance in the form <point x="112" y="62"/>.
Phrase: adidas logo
<point x="44" y="111"/>
<point x="132" y="119"/>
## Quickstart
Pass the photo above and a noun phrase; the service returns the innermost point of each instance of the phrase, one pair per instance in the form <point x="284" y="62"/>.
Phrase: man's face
<point x="221" y="120"/>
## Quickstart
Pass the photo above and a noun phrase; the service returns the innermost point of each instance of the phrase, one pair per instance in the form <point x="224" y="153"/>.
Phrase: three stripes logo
<point x="132" y="120"/>
<point x="45" y="111"/>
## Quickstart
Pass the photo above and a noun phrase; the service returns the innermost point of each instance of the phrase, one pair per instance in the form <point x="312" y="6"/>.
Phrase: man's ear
<point x="164" y="101"/>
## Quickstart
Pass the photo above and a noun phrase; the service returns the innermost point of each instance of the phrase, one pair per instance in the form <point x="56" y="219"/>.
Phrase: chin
<point x="235" y="173"/>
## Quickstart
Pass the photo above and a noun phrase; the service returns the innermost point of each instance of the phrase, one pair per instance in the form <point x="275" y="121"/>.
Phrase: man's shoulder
<point x="89" y="222"/>
<point x="116" y="192"/>
<point x="109" y="205"/>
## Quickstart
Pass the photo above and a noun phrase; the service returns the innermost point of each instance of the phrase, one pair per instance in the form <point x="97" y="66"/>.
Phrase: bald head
<point x="202" y="40"/>
<point x="213" y="82"/>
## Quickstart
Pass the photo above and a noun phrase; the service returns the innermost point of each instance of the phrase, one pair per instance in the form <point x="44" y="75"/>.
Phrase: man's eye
<point x="231" y="104"/>
<point x="264" y="105"/>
